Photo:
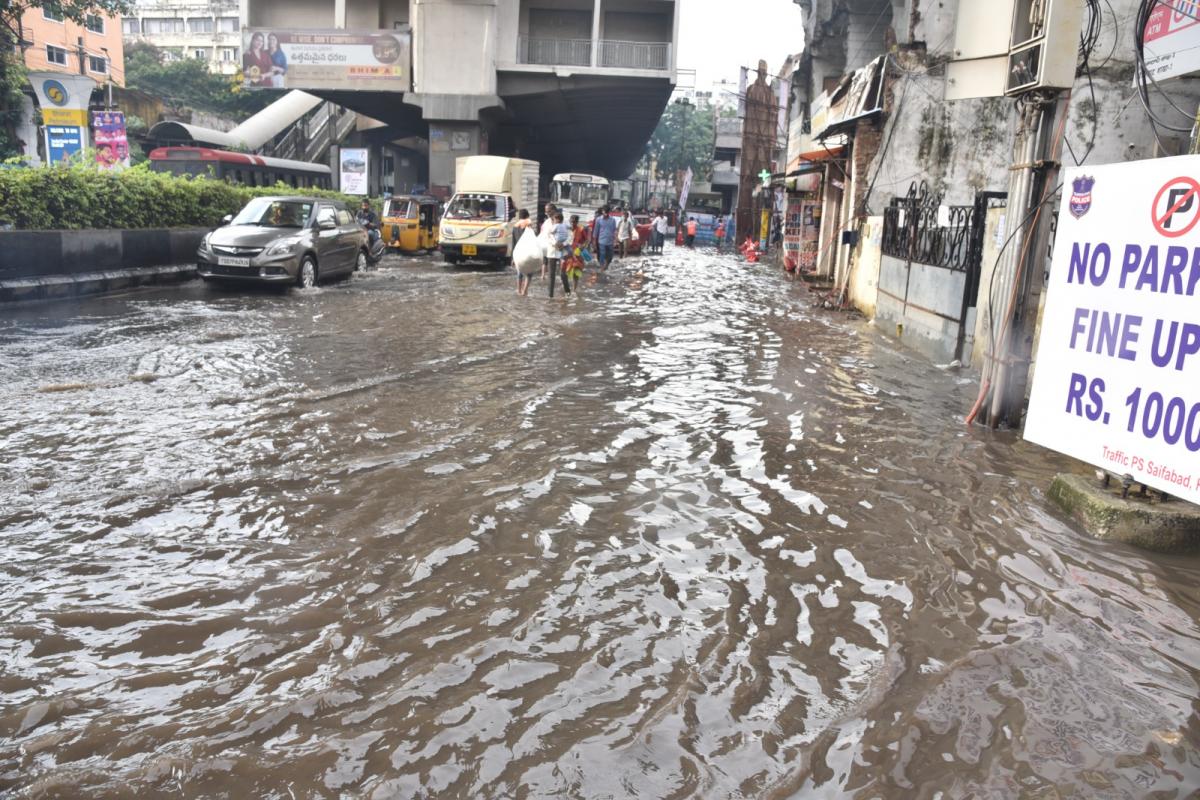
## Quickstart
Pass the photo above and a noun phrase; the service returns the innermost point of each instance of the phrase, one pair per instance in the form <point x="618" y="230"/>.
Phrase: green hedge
<point x="84" y="196"/>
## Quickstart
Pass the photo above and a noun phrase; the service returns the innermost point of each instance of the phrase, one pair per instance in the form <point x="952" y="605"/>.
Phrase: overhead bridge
<point x="578" y="85"/>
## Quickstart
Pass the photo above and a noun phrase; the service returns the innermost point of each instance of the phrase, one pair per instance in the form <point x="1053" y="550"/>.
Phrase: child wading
<point x="561" y="238"/>
<point x="573" y="264"/>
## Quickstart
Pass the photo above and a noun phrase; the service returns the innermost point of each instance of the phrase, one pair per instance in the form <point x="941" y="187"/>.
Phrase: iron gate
<point x="918" y="228"/>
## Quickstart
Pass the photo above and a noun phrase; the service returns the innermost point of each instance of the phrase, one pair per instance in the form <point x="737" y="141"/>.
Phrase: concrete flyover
<point x="589" y="123"/>
<point x="577" y="85"/>
<point x="581" y="122"/>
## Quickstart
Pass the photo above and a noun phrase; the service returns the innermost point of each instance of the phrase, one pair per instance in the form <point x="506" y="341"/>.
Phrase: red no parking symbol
<point x="1176" y="210"/>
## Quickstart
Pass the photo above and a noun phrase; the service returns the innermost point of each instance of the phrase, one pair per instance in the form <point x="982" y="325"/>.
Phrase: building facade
<point x="727" y="161"/>
<point x="208" y="31"/>
<point x="900" y="178"/>
<point x="56" y="44"/>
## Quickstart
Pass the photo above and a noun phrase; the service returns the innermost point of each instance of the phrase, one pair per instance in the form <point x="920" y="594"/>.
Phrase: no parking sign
<point x="1117" y="379"/>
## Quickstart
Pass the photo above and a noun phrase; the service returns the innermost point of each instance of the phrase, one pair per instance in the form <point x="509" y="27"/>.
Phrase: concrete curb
<point x="1165" y="527"/>
<point x="59" y="287"/>
<point x="47" y="265"/>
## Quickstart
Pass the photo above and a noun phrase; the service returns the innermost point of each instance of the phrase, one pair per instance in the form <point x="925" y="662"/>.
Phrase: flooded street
<point x="413" y="536"/>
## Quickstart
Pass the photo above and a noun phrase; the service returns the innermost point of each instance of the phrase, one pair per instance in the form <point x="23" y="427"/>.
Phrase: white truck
<point x="489" y="191"/>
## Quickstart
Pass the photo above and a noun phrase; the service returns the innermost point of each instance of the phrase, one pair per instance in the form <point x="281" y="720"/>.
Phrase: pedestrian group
<point x="569" y="245"/>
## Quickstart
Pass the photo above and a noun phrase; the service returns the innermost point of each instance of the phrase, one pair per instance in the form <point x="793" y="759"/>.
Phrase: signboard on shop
<point x="1117" y="378"/>
<point x="326" y="59"/>
<point x="1172" y="39"/>
<point x="64" y="116"/>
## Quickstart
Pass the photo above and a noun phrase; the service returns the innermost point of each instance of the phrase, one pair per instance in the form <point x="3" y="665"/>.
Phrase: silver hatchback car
<point x="284" y="239"/>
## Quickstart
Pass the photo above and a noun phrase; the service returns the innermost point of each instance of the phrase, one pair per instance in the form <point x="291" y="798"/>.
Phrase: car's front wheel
<point x="307" y="277"/>
<point x="360" y="262"/>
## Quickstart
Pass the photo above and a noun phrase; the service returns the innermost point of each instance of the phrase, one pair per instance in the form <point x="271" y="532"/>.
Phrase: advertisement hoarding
<point x="326" y="59"/>
<point x="109" y="138"/>
<point x="1117" y="378"/>
<point x="353" y="170"/>
<point x="801" y="231"/>
<point x="62" y="142"/>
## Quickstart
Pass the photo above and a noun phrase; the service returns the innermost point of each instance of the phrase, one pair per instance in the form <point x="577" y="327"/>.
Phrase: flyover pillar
<point x="449" y="141"/>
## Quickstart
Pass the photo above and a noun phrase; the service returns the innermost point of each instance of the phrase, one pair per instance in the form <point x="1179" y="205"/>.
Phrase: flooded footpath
<point x="413" y="536"/>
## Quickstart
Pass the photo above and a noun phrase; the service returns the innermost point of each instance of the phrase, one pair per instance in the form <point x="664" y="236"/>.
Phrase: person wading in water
<point x="573" y="264"/>
<point x="522" y="227"/>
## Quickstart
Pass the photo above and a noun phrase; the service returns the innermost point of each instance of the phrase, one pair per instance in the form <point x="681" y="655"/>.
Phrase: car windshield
<point x="268" y="213"/>
<point x="476" y="206"/>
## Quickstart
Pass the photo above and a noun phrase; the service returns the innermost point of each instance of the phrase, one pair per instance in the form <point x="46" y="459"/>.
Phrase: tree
<point x="188" y="83"/>
<point x="684" y="138"/>
<point x="13" y="44"/>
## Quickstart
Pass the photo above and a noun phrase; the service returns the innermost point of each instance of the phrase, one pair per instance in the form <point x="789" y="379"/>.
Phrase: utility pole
<point x="1038" y="71"/>
<point x="1020" y="275"/>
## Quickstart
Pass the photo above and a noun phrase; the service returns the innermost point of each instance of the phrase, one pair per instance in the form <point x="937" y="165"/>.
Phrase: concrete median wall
<point x="38" y="265"/>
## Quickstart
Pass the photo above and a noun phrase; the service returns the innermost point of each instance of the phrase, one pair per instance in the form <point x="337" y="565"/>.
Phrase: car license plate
<point x="229" y="261"/>
<point x="469" y="250"/>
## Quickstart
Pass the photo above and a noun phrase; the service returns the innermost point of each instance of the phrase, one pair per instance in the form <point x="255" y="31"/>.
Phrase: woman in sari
<point x="573" y="264"/>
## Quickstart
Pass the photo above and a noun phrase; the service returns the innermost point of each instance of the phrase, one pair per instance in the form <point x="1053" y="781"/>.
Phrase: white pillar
<point x="596" y="33"/>
<point x="339" y="13"/>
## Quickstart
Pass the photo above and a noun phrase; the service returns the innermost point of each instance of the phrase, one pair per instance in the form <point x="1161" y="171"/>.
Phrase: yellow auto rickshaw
<point x="410" y="222"/>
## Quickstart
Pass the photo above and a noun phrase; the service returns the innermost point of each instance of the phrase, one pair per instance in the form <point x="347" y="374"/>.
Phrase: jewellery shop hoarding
<point x="327" y="59"/>
<point x="1117" y="378"/>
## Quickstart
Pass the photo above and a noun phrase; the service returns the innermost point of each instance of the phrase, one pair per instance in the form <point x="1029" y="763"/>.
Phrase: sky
<point x="716" y="37"/>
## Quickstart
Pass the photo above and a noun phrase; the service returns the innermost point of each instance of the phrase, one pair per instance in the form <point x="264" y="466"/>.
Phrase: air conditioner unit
<point x="1037" y="49"/>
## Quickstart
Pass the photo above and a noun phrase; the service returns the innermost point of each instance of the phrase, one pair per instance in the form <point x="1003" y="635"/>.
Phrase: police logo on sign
<point x="1081" y="195"/>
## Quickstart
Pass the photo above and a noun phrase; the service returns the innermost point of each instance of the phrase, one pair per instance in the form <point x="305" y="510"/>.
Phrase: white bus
<point x="579" y="193"/>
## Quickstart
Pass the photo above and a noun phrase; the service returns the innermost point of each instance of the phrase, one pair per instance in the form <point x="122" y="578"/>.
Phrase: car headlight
<point x="495" y="233"/>
<point x="204" y="245"/>
<point x="281" y="247"/>
<point x="447" y="230"/>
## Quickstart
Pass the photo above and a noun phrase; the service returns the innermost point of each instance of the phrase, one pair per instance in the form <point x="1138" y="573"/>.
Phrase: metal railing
<point x="310" y="138"/>
<point x="565" y="52"/>
<point x="917" y="229"/>
<point x="635" y="55"/>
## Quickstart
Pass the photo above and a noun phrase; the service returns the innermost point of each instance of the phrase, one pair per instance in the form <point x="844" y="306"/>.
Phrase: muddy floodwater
<point x="687" y="536"/>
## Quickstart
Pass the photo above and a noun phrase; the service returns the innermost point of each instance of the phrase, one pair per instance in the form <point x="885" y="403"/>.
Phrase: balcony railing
<point x="635" y="55"/>
<point x="578" y="53"/>
<point x="555" y="52"/>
